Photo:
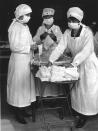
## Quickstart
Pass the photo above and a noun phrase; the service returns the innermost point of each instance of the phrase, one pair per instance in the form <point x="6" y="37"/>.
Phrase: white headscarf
<point x="48" y="11"/>
<point x="21" y="10"/>
<point x="75" y="12"/>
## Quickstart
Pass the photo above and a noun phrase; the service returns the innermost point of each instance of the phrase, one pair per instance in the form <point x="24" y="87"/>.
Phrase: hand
<point x="53" y="37"/>
<point x="43" y="36"/>
<point x="75" y="64"/>
<point x="49" y="64"/>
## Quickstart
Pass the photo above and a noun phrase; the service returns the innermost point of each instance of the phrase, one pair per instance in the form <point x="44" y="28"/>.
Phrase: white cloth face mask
<point x="26" y="19"/>
<point x="48" y="21"/>
<point x="73" y="25"/>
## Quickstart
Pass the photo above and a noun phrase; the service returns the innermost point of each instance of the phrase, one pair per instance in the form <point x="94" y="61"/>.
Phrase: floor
<point x="52" y="121"/>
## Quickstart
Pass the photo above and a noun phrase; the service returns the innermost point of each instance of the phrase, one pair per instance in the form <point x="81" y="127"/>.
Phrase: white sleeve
<point x="59" y="49"/>
<point x="86" y="51"/>
<point x="19" y="40"/>
<point x="58" y="33"/>
<point x="36" y="38"/>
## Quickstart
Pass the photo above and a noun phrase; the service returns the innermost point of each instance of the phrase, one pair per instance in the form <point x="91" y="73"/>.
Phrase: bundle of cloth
<point x="44" y="73"/>
<point x="57" y="73"/>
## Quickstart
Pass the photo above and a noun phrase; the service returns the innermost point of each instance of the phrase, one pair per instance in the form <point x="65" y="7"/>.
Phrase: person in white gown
<point x="79" y="40"/>
<point x="94" y="27"/>
<point x="48" y="36"/>
<point x="96" y="42"/>
<point x="20" y="81"/>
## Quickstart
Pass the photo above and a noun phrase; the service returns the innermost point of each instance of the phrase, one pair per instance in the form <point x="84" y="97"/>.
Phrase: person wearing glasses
<point x="78" y="38"/>
<point x="20" y="81"/>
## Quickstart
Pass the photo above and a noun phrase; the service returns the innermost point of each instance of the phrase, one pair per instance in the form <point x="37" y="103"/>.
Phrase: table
<point x="62" y="108"/>
<point x="66" y="98"/>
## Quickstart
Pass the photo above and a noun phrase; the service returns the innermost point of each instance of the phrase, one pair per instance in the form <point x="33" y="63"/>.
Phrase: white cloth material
<point x="84" y="96"/>
<point x="47" y="42"/>
<point x="48" y="89"/>
<point x="20" y="82"/>
<point x="22" y="9"/>
<point x="96" y="43"/>
<point x="75" y="12"/>
<point x="19" y="37"/>
<point x="48" y="11"/>
<point x="48" y="21"/>
<point x="47" y="46"/>
<point x="73" y="26"/>
<point x="44" y="73"/>
<point x="57" y="73"/>
<point x="40" y="49"/>
<point x="25" y="19"/>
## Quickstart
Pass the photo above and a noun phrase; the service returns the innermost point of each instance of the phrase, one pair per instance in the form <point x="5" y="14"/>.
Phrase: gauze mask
<point x="25" y="19"/>
<point x="48" y="21"/>
<point x="73" y="25"/>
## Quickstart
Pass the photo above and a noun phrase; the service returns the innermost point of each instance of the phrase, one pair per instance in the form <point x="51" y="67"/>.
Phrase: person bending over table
<point x="79" y="40"/>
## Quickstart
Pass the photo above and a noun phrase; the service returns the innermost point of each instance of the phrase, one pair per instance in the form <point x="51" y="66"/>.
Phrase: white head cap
<point x="75" y="12"/>
<point x="48" y="12"/>
<point x="22" y="10"/>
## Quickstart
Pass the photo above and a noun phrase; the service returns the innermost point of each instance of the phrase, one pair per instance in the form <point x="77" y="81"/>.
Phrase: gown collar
<point x="78" y="33"/>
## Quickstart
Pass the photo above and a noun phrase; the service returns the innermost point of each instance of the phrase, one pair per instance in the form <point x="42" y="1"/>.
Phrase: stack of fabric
<point x="44" y="73"/>
<point x="57" y="73"/>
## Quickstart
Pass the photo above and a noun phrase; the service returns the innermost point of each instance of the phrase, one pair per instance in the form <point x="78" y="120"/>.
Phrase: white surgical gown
<point x="48" y="46"/>
<point x="84" y="96"/>
<point x="20" y="82"/>
<point x="96" y="43"/>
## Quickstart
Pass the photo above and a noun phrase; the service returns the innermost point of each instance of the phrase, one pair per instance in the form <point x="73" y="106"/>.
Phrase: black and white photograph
<point x="48" y="65"/>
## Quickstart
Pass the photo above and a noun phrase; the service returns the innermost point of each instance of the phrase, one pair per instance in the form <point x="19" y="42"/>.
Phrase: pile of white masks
<point x="57" y="73"/>
<point x="44" y="73"/>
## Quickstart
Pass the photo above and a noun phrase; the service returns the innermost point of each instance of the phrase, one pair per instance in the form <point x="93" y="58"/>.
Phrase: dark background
<point x="7" y="8"/>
